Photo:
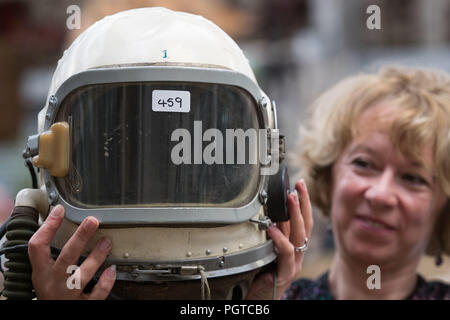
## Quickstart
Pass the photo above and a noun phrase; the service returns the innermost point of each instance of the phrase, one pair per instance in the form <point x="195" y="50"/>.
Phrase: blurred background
<point x="297" y="48"/>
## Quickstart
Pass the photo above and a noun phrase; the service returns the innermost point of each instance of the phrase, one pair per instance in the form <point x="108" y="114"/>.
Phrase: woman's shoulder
<point x="431" y="290"/>
<point x="318" y="289"/>
<point x="309" y="289"/>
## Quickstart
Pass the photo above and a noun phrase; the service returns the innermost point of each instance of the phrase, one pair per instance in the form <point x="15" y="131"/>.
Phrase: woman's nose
<point x="381" y="192"/>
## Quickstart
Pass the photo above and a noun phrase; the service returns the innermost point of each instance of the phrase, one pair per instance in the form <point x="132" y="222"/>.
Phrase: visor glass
<point x="149" y="145"/>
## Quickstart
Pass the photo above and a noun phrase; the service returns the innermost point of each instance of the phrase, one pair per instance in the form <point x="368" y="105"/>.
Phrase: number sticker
<point x="171" y="101"/>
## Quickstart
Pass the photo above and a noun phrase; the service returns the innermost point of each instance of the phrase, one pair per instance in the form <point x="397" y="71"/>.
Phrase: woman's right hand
<point x="286" y="236"/>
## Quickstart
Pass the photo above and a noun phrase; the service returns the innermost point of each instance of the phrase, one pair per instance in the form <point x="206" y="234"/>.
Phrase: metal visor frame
<point x="157" y="215"/>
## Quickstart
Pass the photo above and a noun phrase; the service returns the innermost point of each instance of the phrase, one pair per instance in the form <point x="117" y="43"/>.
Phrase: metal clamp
<point x="151" y="271"/>
<point x="169" y="269"/>
<point x="281" y="144"/>
<point x="282" y="147"/>
<point x="263" y="223"/>
<point x="32" y="148"/>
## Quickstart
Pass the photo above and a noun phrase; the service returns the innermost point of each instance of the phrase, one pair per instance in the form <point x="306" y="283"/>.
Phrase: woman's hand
<point x="50" y="277"/>
<point x="286" y="236"/>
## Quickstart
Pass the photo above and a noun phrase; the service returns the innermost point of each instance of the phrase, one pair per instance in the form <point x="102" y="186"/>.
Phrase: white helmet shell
<point x="149" y="36"/>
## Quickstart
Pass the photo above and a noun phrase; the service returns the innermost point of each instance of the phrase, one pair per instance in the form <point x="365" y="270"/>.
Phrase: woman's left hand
<point x="286" y="237"/>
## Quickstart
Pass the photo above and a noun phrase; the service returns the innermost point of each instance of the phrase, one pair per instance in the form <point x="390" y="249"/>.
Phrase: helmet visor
<point x="161" y="144"/>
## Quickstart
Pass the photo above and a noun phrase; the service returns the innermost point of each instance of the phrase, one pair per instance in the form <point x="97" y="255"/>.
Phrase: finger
<point x="104" y="285"/>
<point x="298" y="233"/>
<point x="77" y="243"/>
<point x="39" y="244"/>
<point x="285" y="227"/>
<point x="286" y="258"/>
<point x="95" y="259"/>
<point x="305" y="206"/>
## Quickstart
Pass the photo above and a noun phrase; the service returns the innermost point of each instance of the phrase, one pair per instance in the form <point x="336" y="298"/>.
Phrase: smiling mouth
<point x="374" y="223"/>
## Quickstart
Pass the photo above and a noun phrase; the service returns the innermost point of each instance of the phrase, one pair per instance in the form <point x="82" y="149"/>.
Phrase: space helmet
<point x="155" y="125"/>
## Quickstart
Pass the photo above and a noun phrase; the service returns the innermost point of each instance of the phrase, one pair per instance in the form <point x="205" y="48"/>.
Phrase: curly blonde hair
<point x="424" y="98"/>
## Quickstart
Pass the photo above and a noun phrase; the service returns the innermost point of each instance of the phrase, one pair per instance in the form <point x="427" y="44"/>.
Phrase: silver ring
<point x="302" y="248"/>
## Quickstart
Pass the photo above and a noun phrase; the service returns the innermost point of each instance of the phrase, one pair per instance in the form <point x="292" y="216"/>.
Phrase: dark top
<point x="305" y="289"/>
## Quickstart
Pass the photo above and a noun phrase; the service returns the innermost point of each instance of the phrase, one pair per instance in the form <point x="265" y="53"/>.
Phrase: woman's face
<point x="384" y="205"/>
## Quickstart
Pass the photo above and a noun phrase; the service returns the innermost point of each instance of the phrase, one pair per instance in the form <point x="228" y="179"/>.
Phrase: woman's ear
<point x="444" y="235"/>
<point x="439" y="241"/>
<point x="328" y="186"/>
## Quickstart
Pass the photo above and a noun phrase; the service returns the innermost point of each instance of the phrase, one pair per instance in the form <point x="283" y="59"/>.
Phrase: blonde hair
<point x="423" y="96"/>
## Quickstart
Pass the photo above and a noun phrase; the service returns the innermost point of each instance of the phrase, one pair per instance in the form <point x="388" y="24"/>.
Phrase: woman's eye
<point x="361" y="163"/>
<point x="415" y="179"/>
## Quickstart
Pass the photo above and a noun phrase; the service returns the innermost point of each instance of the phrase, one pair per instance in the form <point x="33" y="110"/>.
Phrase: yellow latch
<point x="54" y="150"/>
